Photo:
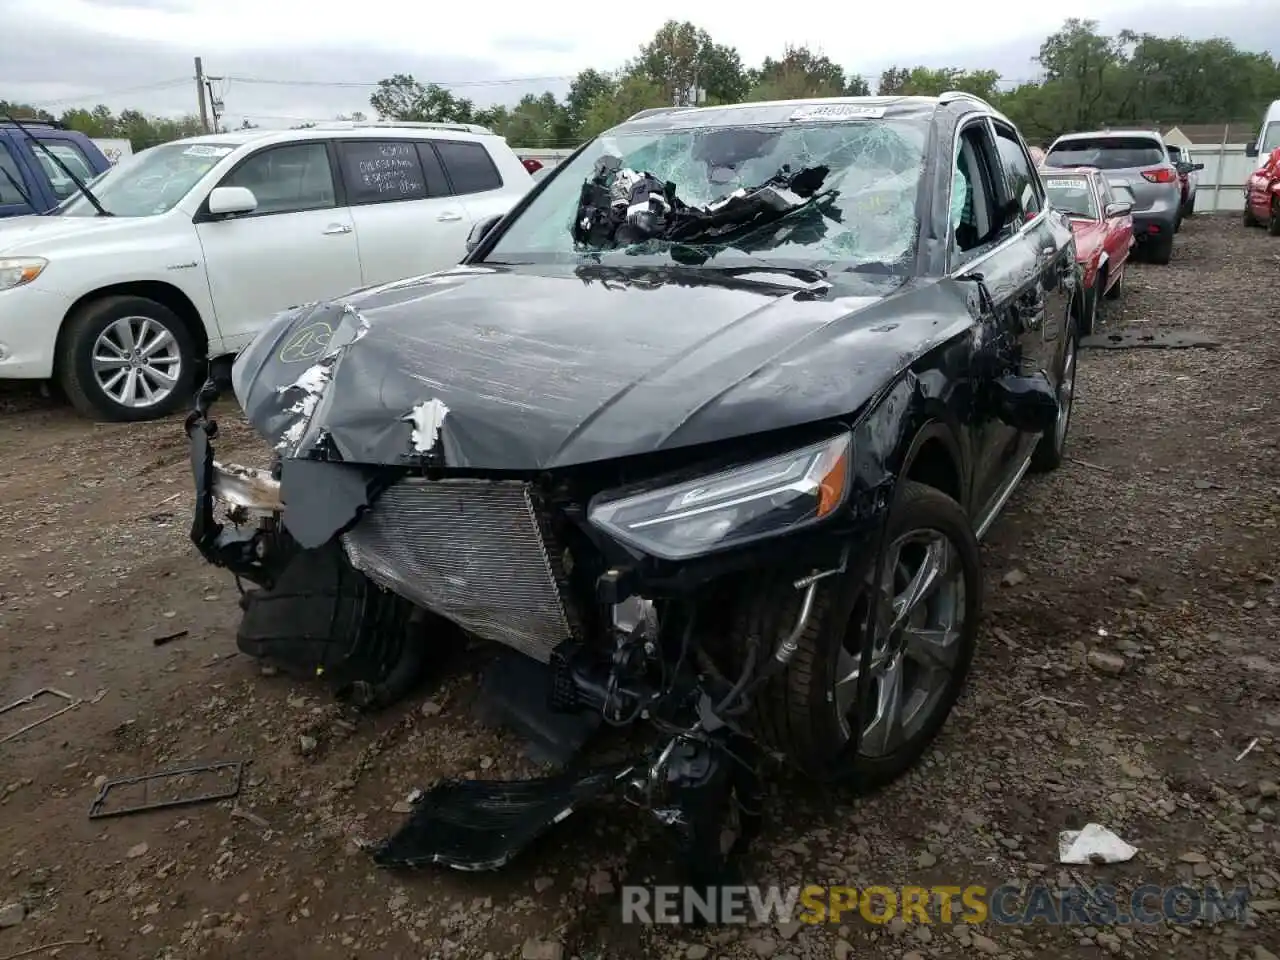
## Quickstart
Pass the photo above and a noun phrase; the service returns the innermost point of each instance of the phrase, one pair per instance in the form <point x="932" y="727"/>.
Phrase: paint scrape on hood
<point x="427" y="418"/>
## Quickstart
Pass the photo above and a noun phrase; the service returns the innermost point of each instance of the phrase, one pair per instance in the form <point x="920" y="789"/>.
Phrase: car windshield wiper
<point x="88" y="194"/>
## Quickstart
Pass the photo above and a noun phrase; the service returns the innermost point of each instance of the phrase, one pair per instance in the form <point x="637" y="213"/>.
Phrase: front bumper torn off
<point x="251" y="498"/>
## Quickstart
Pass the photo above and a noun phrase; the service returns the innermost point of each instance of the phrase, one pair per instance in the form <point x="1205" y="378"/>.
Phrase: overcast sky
<point x="139" y="53"/>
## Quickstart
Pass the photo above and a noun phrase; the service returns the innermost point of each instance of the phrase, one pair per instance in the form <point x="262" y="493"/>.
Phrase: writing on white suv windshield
<point x="149" y="183"/>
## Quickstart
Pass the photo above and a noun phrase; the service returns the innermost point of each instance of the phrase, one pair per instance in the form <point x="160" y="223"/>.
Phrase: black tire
<point x="75" y="362"/>
<point x="795" y="713"/>
<point x="1191" y="207"/>
<point x="1273" y="224"/>
<point x="1161" y="251"/>
<point x="1248" y="217"/>
<point x="1049" y="452"/>
<point x="1117" y="289"/>
<point x="1091" y="299"/>
<point x="1177" y="224"/>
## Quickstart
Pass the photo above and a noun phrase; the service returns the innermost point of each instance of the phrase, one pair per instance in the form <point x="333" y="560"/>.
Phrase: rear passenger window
<point x="437" y="185"/>
<point x="11" y="186"/>
<point x="469" y="166"/>
<point x="380" y="171"/>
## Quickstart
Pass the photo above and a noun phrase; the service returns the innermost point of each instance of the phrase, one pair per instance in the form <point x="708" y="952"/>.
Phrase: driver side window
<point x="287" y="179"/>
<point x="974" y="207"/>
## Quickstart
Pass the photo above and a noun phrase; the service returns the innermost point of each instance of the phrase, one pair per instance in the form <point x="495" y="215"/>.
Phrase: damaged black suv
<point x="702" y="435"/>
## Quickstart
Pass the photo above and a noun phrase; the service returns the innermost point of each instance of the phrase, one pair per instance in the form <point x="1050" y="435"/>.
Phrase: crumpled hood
<point x="526" y="368"/>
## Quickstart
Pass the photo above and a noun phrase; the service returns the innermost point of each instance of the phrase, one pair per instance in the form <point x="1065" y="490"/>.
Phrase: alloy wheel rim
<point x="137" y="362"/>
<point x="1066" y="395"/>
<point x="921" y="609"/>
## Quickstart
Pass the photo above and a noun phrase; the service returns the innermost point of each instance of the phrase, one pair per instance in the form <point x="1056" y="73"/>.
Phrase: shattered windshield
<point x="148" y="183"/>
<point x="840" y="194"/>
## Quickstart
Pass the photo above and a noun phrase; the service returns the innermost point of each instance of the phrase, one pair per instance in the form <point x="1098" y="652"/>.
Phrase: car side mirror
<point x="1118" y="208"/>
<point x="1251" y="150"/>
<point x="1028" y="404"/>
<point x="480" y="230"/>
<point x="1196" y="167"/>
<point x="229" y="201"/>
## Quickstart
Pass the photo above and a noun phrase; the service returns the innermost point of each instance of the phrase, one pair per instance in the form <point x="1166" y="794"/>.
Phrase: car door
<point x="475" y="179"/>
<point x="1118" y="238"/>
<point x="1045" y="297"/>
<point x="299" y="245"/>
<point x="996" y="257"/>
<point x="407" y="221"/>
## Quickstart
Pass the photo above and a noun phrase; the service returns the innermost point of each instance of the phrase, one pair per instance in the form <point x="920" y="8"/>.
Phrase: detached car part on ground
<point x="703" y="435"/>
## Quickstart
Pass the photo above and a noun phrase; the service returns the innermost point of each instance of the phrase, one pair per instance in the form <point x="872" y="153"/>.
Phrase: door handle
<point x="336" y="228"/>
<point x="449" y="216"/>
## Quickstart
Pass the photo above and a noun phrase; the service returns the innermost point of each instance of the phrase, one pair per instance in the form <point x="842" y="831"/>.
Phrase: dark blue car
<point x="31" y="181"/>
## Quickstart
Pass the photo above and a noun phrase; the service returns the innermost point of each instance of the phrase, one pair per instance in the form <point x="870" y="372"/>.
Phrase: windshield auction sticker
<point x="837" y="111"/>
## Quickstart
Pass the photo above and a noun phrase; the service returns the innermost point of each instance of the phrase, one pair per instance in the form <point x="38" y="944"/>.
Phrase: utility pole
<point x="200" y="92"/>
<point x="215" y="102"/>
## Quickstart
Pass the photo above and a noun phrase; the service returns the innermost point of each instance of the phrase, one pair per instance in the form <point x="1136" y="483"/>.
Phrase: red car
<point x="1262" y="195"/>
<point x="1101" y="220"/>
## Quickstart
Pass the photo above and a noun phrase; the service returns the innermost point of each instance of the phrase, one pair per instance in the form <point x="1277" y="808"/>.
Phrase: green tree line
<point x="1086" y="79"/>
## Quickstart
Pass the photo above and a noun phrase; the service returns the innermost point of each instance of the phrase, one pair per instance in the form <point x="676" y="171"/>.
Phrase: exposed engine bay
<point x="373" y="610"/>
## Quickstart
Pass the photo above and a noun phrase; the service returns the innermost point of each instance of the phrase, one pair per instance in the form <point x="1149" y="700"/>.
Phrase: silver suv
<point x="1139" y="160"/>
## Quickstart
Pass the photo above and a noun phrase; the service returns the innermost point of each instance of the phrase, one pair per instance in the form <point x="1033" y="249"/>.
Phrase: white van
<point x="1269" y="135"/>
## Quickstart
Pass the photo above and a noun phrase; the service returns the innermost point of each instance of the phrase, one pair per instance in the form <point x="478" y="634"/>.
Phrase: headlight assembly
<point x="15" y="271"/>
<point x="746" y="503"/>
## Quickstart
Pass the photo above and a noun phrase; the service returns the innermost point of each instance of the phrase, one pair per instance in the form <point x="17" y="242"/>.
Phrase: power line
<point x="504" y="81"/>
<point x="158" y="85"/>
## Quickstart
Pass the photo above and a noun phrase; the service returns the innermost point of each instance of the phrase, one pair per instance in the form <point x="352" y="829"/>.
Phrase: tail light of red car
<point x="532" y="165"/>
<point x="1160" y="175"/>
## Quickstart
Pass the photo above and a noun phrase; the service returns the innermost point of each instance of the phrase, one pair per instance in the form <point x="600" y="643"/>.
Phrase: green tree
<point x="799" y="74"/>
<point x="932" y="81"/>
<point x="400" y="97"/>
<point x="632" y="93"/>
<point x="681" y="56"/>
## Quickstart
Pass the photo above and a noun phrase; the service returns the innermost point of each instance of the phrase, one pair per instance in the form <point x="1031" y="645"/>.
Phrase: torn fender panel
<point x="540" y="367"/>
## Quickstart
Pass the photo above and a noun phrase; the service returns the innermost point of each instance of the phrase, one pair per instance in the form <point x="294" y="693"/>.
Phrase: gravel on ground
<point x="1128" y="675"/>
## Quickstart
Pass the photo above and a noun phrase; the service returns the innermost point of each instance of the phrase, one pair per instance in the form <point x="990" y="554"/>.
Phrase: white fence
<point x="1221" y="183"/>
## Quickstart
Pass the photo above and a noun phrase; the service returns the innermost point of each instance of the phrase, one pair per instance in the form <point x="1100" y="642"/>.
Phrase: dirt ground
<point x="1129" y="657"/>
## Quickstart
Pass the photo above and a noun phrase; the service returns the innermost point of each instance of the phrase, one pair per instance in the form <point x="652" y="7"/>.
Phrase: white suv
<point x="205" y="239"/>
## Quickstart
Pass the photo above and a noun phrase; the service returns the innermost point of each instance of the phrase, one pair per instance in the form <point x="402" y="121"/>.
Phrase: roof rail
<point x="418" y="124"/>
<point x="34" y="122"/>
<point x="952" y="95"/>
<point x="652" y="112"/>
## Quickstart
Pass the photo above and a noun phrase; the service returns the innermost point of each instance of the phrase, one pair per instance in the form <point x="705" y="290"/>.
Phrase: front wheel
<point x="1273" y="223"/>
<point x="924" y="618"/>
<point x="1248" y="218"/>
<point x="1049" y="451"/>
<point x="127" y="359"/>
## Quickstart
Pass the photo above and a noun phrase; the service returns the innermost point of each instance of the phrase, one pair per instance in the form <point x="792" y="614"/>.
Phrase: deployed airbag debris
<point x="621" y="206"/>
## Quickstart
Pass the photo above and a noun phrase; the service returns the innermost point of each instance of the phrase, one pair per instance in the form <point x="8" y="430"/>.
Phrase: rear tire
<point x="1117" y="288"/>
<point x="1161" y="251"/>
<point x="1248" y="218"/>
<point x="1049" y="452"/>
<point x="801" y="712"/>
<point x="107" y="342"/>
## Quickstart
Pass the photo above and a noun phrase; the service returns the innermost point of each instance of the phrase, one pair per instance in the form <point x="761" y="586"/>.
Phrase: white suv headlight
<point x="733" y="507"/>
<point x="15" y="271"/>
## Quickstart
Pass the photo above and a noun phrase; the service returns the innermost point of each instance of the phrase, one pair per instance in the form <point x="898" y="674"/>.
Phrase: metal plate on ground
<point x="220" y="781"/>
<point x="1156" y="340"/>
